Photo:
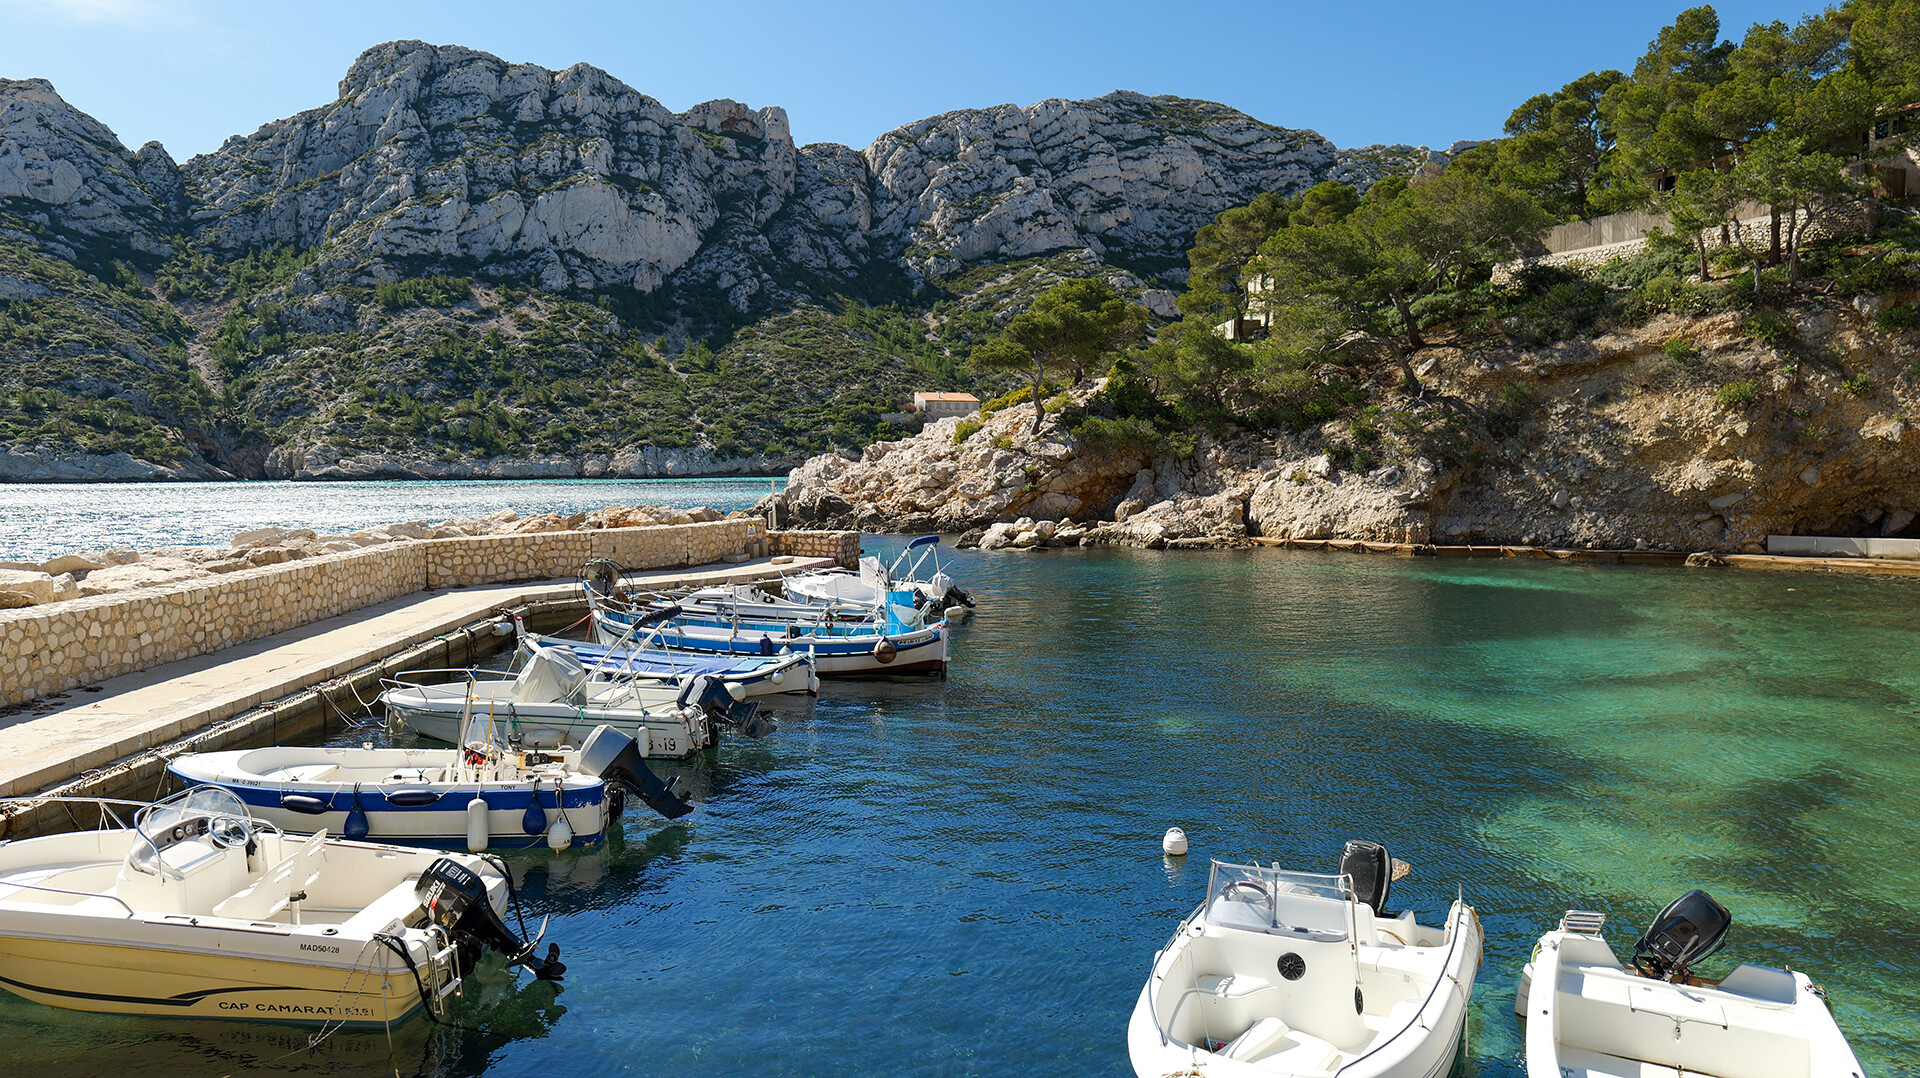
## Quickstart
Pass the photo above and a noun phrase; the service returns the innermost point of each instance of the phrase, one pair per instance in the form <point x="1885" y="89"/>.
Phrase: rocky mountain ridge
<point x="559" y="191"/>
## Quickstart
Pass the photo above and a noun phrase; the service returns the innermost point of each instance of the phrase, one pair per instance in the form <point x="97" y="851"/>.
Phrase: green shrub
<point x="1738" y="394"/>
<point x="1681" y="349"/>
<point x="1895" y="319"/>
<point x="1859" y="386"/>
<point x="965" y="429"/>
<point x="1767" y="327"/>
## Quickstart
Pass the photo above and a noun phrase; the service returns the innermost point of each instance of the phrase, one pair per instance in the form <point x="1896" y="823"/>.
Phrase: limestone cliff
<point x="1619" y="440"/>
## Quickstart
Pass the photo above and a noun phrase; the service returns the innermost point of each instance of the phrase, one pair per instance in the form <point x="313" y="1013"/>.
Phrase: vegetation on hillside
<point x="1355" y="287"/>
<point x="92" y="362"/>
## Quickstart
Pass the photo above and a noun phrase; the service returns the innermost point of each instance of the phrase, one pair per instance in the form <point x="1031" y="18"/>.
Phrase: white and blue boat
<point x="899" y="644"/>
<point x="639" y="659"/>
<point x="483" y="796"/>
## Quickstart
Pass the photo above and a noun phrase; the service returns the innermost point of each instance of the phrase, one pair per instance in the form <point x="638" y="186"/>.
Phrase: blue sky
<point x="192" y="72"/>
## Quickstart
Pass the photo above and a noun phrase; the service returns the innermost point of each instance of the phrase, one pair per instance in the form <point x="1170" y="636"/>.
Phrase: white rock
<point x="36" y="585"/>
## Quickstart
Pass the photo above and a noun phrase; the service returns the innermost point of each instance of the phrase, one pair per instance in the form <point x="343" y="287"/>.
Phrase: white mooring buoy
<point x="1175" y="844"/>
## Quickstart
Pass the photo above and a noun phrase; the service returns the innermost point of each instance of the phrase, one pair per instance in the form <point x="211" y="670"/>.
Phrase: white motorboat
<point x="1289" y="973"/>
<point x="661" y="673"/>
<point x="426" y="797"/>
<point x="838" y="649"/>
<point x="1588" y="1016"/>
<point x="200" y="910"/>
<point x="916" y="569"/>
<point x="553" y="702"/>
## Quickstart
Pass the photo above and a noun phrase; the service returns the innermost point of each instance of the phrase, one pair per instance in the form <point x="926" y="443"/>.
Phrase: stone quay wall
<point x="59" y="646"/>
<point x="842" y="547"/>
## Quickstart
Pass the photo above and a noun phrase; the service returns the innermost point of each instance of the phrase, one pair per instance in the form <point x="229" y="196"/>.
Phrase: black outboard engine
<point x="957" y="596"/>
<point x="1371" y="870"/>
<point x="455" y="898"/>
<point x="615" y="757"/>
<point x="710" y="694"/>
<point x="1690" y="929"/>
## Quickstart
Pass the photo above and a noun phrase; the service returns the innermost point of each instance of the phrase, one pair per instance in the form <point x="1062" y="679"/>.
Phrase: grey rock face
<point x="1125" y="172"/>
<point x="68" y="165"/>
<point x="448" y="154"/>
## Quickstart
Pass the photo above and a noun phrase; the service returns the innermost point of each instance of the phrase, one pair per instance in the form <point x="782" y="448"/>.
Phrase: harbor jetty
<point x="98" y="690"/>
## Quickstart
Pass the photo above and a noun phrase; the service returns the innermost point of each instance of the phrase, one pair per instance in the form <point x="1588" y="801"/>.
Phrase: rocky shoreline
<point x="75" y="576"/>
<point x="1620" y="441"/>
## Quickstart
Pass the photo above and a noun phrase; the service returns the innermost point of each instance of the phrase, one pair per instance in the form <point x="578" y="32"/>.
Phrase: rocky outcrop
<point x="1129" y="173"/>
<point x="28" y="464"/>
<point x="1618" y="445"/>
<point x="69" y="171"/>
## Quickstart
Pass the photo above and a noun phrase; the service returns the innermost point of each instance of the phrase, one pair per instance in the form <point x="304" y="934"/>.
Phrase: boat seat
<point x="1279" y="1047"/>
<point x="1260" y="1038"/>
<point x="1762" y="984"/>
<point x="275" y="888"/>
<point x="399" y="901"/>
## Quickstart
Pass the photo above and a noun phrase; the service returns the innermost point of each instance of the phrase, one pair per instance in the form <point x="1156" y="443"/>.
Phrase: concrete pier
<point x="112" y="738"/>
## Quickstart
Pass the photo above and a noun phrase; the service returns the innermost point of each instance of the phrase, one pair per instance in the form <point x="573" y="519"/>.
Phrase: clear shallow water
<point x="39" y="521"/>
<point x="964" y="877"/>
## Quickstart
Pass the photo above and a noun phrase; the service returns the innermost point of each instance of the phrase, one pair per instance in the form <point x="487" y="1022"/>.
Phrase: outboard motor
<point x="710" y="694"/>
<point x="1691" y="928"/>
<point x="1371" y="870"/>
<point x="615" y="757"/>
<point x="455" y="898"/>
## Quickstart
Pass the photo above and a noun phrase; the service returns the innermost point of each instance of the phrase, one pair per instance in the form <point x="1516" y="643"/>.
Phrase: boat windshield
<point x="1256" y="899"/>
<point x="165" y="822"/>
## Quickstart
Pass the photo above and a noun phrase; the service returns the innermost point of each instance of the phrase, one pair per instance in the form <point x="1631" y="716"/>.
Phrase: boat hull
<point x="1584" y="1013"/>
<point x="441" y="825"/>
<point x="197" y="980"/>
<point x="660" y="737"/>
<point x="919" y="651"/>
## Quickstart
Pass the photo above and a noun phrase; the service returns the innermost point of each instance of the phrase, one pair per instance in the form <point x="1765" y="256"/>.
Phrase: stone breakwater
<point x="52" y="647"/>
<point x="73" y="576"/>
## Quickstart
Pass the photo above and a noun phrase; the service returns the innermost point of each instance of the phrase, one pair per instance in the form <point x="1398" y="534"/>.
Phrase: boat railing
<point x="109" y="820"/>
<point x="1462" y="914"/>
<point x="116" y="899"/>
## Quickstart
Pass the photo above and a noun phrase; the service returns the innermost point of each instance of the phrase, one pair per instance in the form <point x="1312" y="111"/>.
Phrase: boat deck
<point x="61" y="738"/>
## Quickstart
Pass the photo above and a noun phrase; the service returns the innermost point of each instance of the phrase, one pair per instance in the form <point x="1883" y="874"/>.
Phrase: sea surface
<point x="41" y="520"/>
<point x="963" y="876"/>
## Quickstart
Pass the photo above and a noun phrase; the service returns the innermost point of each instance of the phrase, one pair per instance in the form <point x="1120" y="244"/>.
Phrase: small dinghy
<point x="484" y="796"/>
<point x="200" y="910"/>
<point x="1587" y="1016"/>
<point x="661" y="673"/>
<point x="554" y="701"/>
<point x="1285" y="973"/>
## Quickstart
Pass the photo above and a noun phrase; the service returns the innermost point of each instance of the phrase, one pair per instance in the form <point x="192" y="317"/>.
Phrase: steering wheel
<point x="1258" y="889"/>
<point x="228" y="831"/>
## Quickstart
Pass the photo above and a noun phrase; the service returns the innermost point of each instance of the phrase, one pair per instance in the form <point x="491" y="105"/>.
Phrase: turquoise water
<point x="39" y="521"/>
<point x="964" y="878"/>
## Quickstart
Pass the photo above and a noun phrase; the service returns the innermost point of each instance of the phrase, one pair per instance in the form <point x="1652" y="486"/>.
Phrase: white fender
<point x="478" y="832"/>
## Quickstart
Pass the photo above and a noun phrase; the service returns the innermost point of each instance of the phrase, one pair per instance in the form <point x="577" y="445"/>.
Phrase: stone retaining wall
<point x="842" y="547"/>
<point x="58" y="646"/>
